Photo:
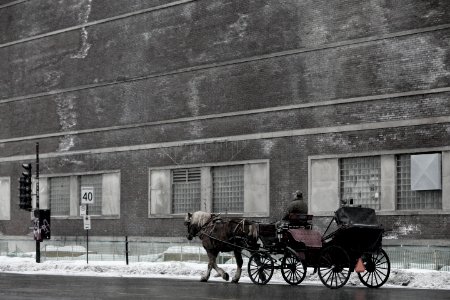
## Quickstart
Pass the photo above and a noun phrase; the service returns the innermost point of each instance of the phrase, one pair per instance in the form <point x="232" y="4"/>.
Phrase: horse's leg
<point x="239" y="262"/>
<point x="219" y="270"/>
<point x="211" y="263"/>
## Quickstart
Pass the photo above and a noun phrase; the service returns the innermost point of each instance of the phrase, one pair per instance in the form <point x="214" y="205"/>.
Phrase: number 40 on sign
<point x="87" y="195"/>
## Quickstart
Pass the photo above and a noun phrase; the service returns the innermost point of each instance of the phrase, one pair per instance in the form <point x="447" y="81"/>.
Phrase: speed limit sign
<point x="87" y="195"/>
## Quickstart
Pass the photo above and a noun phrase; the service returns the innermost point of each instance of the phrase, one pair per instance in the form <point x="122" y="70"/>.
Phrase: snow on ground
<point x="411" y="278"/>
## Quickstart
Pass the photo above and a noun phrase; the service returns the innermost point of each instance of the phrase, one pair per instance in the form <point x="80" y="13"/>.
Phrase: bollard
<point x="126" y="249"/>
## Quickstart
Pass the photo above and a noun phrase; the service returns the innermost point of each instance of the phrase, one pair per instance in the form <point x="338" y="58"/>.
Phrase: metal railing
<point x="100" y="250"/>
<point x="406" y="257"/>
<point x="430" y="258"/>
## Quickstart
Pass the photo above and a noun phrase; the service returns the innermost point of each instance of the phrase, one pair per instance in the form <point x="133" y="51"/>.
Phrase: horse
<point x="219" y="235"/>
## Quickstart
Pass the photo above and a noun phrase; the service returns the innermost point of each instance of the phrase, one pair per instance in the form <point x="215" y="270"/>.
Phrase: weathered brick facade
<point x="130" y="85"/>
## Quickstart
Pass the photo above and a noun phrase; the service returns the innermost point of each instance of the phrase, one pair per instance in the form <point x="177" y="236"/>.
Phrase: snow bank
<point x="410" y="278"/>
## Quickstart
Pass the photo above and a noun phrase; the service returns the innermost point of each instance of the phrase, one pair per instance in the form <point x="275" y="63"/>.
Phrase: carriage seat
<point x="268" y="233"/>
<point x="299" y="220"/>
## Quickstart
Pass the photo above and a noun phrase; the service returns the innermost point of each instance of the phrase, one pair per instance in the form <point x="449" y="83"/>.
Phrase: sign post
<point x="87" y="198"/>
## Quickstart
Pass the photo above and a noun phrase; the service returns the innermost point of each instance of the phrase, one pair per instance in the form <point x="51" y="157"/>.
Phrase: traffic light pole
<point x="38" y="242"/>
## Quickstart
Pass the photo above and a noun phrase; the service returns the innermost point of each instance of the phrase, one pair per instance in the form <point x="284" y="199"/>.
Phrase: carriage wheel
<point x="378" y="268"/>
<point x="334" y="267"/>
<point x="292" y="269"/>
<point x="260" y="268"/>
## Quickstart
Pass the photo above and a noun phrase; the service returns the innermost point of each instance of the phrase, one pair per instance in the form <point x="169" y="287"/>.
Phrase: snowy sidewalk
<point x="425" y="279"/>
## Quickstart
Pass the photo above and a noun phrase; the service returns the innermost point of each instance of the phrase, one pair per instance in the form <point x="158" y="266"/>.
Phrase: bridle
<point x="200" y="229"/>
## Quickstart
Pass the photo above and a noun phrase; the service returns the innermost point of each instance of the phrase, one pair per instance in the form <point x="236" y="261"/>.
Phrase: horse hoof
<point x="203" y="279"/>
<point x="226" y="276"/>
<point x="235" y="280"/>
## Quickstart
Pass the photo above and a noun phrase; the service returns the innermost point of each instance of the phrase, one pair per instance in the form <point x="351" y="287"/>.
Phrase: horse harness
<point x="208" y="228"/>
<point x="213" y="221"/>
<point x="211" y="225"/>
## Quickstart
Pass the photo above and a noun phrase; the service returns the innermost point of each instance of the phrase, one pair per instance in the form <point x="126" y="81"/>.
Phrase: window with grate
<point x="360" y="181"/>
<point x="186" y="190"/>
<point x="409" y="199"/>
<point x="228" y="189"/>
<point x="59" y="193"/>
<point x="96" y="182"/>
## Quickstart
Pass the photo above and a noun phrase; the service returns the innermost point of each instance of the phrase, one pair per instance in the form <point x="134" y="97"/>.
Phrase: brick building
<point x="228" y="106"/>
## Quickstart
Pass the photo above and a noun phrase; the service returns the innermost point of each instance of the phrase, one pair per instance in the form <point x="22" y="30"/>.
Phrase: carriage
<point x="292" y="246"/>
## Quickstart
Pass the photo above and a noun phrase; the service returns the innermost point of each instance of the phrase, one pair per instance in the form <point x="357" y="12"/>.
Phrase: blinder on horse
<point x="195" y="227"/>
<point x="188" y="224"/>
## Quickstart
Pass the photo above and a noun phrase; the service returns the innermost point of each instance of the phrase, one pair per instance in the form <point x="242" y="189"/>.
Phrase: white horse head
<point x="195" y="221"/>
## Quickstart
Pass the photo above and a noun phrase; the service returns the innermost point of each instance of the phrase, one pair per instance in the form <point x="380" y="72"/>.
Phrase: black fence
<point x="431" y="258"/>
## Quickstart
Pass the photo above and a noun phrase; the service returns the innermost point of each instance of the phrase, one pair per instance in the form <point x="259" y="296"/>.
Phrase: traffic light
<point x="25" y="188"/>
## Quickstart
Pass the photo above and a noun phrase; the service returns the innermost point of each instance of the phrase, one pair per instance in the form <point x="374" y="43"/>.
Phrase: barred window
<point x="239" y="188"/>
<point x="186" y="190"/>
<point x="95" y="181"/>
<point x="360" y="181"/>
<point x="409" y="199"/>
<point x="60" y="196"/>
<point x="64" y="194"/>
<point x="228" y="189"/>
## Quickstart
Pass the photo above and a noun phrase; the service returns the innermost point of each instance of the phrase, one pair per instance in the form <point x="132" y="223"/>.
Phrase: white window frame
<point x="110" y="201"/>
<point x="5" y="198"/>
<point x="256" y="188"/>
<point x="323" y="182"/>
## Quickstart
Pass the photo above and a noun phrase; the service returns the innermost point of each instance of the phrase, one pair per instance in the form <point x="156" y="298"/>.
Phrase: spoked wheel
<point x="334" y="267"/>
<point x="260" y="267"/>
<point x="378" y="268"/>
<point x="292" y="269"/>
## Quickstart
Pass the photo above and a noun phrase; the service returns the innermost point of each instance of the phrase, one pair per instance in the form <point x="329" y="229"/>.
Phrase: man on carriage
<point x="298" y="205"/>
<point x="297" y="210"/>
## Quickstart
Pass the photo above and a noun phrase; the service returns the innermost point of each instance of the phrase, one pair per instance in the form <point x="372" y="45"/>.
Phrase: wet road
<point x="19" y="286"/>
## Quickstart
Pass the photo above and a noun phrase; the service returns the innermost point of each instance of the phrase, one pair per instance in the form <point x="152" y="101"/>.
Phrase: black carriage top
<point x="356" y="216"/>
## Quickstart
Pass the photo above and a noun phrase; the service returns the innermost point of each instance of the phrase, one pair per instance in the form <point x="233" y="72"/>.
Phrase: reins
<point x="230" y="244"/>
<point x="239" y="224"/>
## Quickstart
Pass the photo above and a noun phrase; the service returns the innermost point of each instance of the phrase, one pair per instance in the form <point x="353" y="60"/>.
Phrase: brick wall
<point x="123" y="85"/>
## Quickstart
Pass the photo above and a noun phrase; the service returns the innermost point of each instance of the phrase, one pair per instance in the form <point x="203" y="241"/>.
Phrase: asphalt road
<point x="19" y="286"/>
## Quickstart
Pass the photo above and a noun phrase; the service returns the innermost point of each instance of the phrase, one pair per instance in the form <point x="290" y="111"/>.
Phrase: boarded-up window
<point x="5" y="198"/>
<point x="324" y="186"/>
<point x="408" y="198"/>
<point x="426" y="172"/>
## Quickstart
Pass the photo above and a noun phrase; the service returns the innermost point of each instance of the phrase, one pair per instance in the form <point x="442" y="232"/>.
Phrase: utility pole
<point x="37" y="212"/>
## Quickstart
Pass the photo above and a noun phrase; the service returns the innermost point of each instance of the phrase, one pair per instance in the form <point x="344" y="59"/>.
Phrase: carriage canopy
<point x="356" y="216"/>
